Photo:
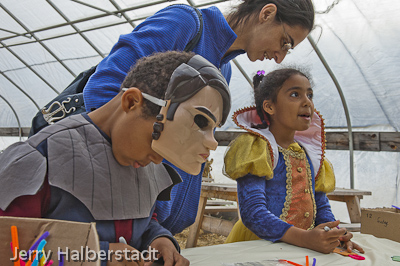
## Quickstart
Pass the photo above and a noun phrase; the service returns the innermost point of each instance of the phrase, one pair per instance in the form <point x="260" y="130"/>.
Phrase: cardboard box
<point x="77" y="238"/>
<point x="381" y="222"/>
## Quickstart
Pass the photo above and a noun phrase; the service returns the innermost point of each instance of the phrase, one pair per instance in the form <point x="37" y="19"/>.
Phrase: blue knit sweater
<point x="169" y="29"/>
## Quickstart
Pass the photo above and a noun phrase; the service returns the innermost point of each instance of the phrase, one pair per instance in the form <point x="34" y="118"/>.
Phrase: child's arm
<point x="324" y="211"/>
<point x="254" y="212"/>
<point x="316" y="239"/>
<point x="159" y="238"/>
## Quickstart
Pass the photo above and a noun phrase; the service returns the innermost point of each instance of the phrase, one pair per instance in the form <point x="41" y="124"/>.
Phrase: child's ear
<point x="268" y="107"/>
<point x="131" y="99"/>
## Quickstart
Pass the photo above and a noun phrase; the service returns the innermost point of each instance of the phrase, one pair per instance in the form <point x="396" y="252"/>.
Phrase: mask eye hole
<point x="201" y="121"/>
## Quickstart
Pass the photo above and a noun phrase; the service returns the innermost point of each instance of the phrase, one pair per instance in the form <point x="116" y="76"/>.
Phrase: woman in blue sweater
<point x="264" y="29"/>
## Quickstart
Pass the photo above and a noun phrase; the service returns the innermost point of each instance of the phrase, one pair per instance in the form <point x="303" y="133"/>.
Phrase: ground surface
<point x="205" y="239"/>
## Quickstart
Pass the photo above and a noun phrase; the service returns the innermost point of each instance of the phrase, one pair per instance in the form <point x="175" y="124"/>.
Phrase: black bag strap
<point x="190" y="46"/>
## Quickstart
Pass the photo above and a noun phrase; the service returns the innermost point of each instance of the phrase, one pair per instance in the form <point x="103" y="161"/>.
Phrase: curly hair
<point x="152" y="74"/>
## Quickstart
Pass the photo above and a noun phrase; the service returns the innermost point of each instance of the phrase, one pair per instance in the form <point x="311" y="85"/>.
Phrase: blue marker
<point x="39" y="253"/>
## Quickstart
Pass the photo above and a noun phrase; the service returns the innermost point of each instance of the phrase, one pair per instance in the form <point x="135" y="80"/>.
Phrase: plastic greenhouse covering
<point x="44" y="44"/>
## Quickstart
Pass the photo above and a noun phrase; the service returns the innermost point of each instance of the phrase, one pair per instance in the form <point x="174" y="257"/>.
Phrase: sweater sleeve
<point x="254" y="212"/>
<point x="324" y="212"/>
<point x="169" y="29"/>
<point x="155" y="230"/>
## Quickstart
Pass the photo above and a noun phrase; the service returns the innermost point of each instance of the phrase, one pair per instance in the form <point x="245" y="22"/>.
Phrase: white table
<point x="378" y="252"/>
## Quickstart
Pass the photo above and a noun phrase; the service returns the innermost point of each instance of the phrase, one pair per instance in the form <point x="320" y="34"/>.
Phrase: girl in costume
<point x="281" y="172"/>
<point x="263" y="29"/>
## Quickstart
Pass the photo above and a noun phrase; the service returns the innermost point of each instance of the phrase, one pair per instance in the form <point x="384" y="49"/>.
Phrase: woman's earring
<point x="158" y="127"/>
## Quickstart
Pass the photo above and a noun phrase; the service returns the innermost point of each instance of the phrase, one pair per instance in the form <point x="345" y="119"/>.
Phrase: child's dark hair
<point x="152" y="74"/>
<point x="292" y="12"/>
<point x="267" y="88"/>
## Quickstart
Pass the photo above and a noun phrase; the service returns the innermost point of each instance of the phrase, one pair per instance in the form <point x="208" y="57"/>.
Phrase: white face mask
<point x="196" y="101"/>
<point x="186" y="141"/>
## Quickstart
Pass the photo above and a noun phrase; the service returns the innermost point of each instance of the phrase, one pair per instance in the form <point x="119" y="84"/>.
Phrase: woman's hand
<point x="167" y="250"/>
<point x="124" y="255"/>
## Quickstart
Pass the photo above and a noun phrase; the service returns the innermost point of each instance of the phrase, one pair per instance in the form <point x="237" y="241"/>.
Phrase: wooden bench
<point x="352" y="198"/>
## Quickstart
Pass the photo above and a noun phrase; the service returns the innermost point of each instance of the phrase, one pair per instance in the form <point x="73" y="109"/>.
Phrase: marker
<point x="49" y="263"/>
<point x="122" y="240"/>
<point x="15" y="243"/>
<point x="29" y="262"/>
<point x="314" y="262"/>
<point x="36" y="244"/>
<point x="291" y="262"/>
<point x="61" y="262"/>
<point x="39" y="252"/>
<point x="42" y="261"/>
<point x="307" y="262"/>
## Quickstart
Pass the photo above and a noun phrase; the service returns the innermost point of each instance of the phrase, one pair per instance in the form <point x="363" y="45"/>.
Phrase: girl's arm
<point x="256" y="217"/>
<point x="316" y="239"/>
<point x="254" y="212"/>
<point x="324" y="212"/>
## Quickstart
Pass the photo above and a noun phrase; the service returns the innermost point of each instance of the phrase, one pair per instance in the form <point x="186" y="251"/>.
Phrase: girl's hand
<point x="316" y="239"/>
<point x="168" y="252"/>
<point x="121" y="256"/>
<point x="349" y="245"/>
<point x="324" y="241"/>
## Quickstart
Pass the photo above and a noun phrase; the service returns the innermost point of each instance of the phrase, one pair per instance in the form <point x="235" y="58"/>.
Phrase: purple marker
<point x="36" y="244"/>
<point x="396" y="207"/>
<point x="61" y="261"/>
<point x="314" y="262"/>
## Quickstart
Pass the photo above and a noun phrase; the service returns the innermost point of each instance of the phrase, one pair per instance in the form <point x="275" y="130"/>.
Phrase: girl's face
<point x="294" y="106"/>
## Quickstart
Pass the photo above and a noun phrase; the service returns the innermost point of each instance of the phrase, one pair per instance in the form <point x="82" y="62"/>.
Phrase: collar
<point x="312" y="139"/>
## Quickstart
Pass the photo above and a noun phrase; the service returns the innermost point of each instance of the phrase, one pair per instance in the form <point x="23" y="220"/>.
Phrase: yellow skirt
<point x="240" y="233"/>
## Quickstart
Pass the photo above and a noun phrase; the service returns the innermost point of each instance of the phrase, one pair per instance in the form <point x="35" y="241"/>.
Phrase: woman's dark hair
<point x="291" y="12"/>
<point x="267" y="88"/>
<point x="152" y="74"/>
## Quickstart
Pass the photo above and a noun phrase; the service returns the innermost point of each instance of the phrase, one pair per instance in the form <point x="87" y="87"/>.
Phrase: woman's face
<point x="271" y="40"/>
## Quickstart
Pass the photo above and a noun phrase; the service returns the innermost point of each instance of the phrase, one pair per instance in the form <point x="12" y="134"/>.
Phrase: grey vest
<point x="80" y="161"/>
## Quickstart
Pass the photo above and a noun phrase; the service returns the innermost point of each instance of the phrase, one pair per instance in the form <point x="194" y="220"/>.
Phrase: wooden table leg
<point x="194" y="229"/>
<point x="353" y="206"/>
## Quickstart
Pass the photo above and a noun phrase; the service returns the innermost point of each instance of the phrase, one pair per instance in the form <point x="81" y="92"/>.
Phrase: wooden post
<point x="353" y="206"/>
<point x="194" y="229"/>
